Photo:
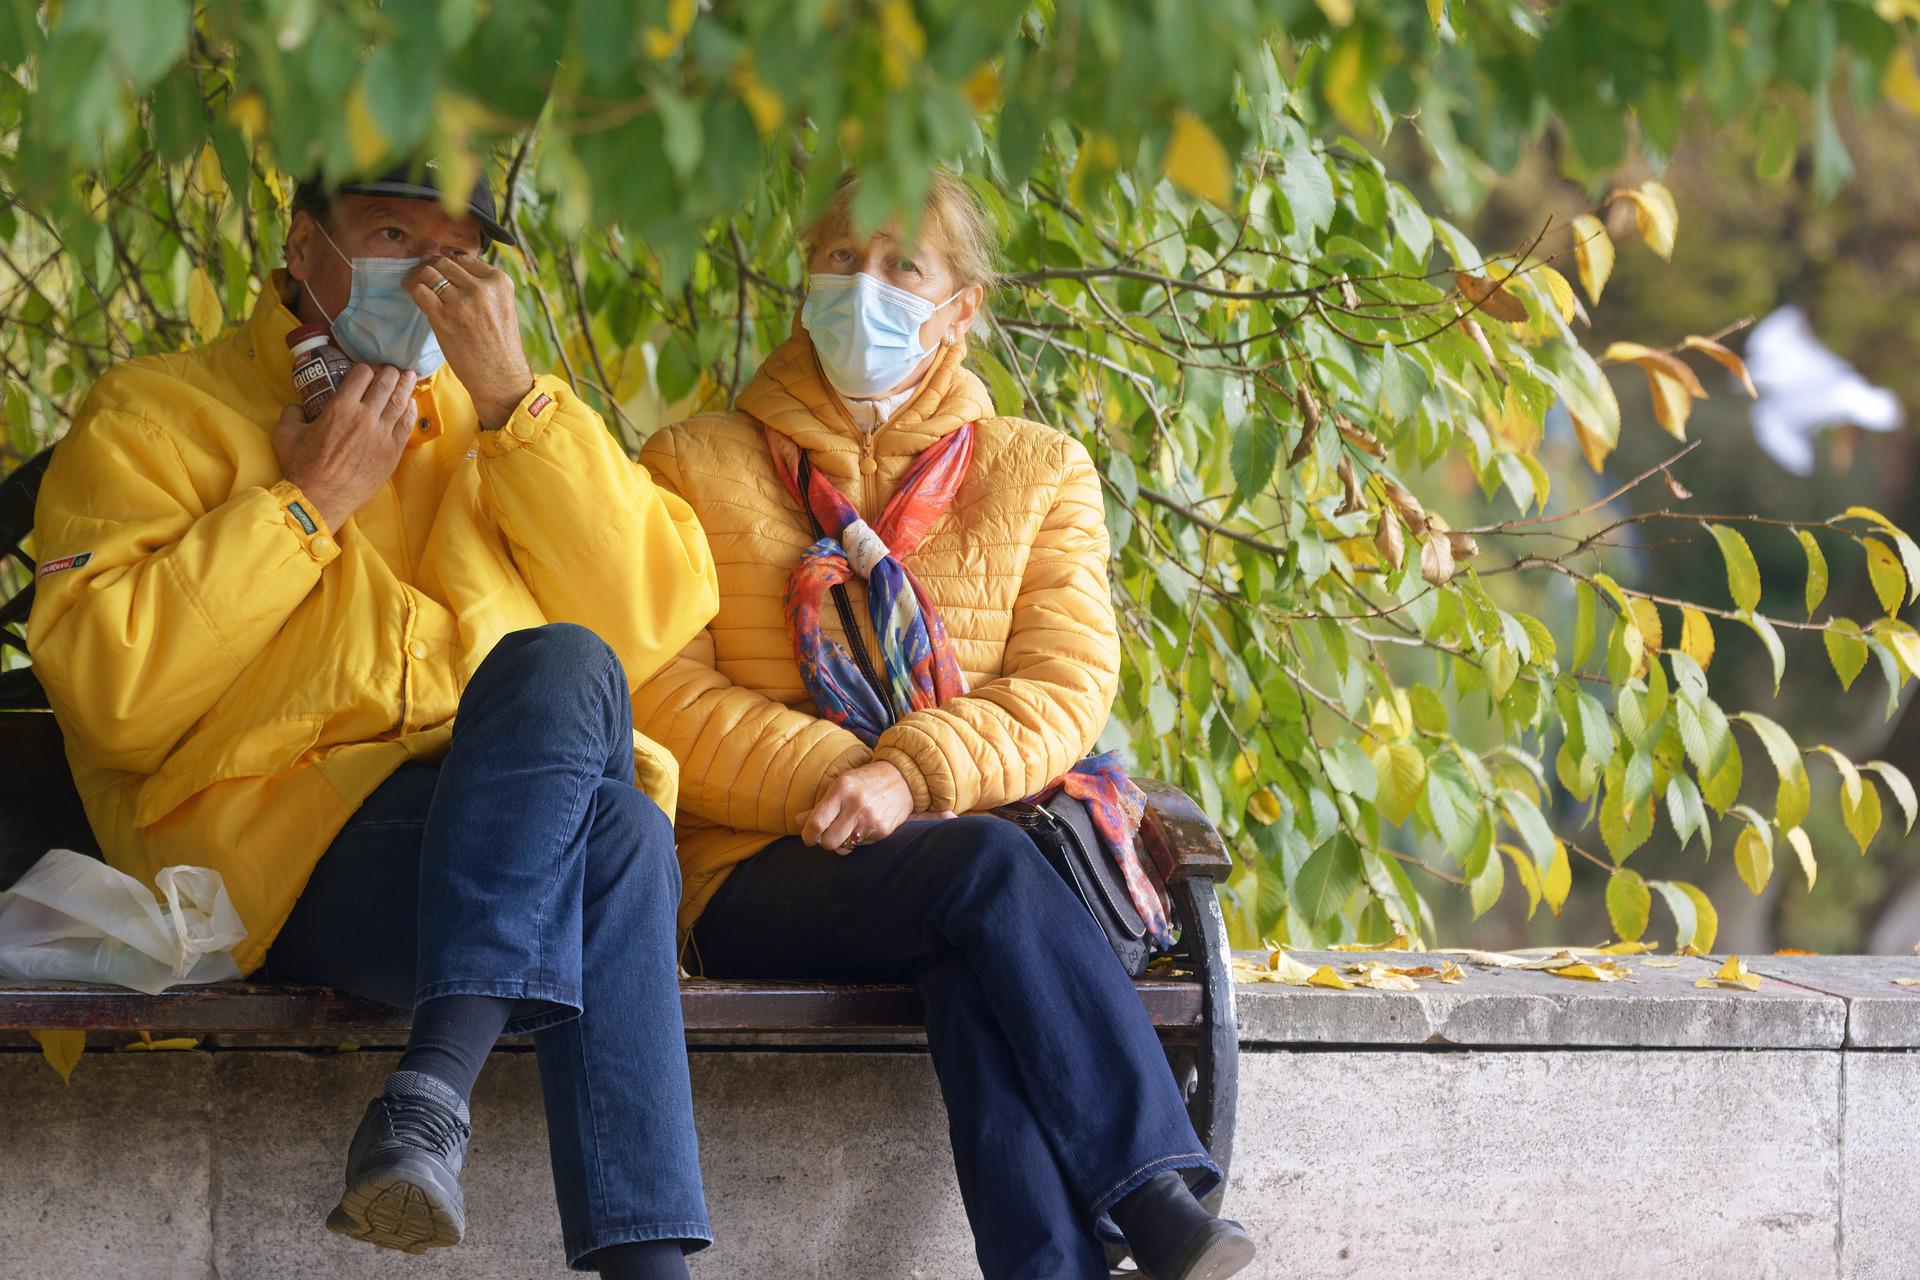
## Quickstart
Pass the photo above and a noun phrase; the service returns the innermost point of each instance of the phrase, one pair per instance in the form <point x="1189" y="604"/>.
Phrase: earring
<point x="951" y="340"/>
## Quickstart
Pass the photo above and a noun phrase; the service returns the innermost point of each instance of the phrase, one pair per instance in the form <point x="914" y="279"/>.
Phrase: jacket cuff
<point x="531" y="417"/>
<point x="916" y="780"/>
<point x="308" y="525"/>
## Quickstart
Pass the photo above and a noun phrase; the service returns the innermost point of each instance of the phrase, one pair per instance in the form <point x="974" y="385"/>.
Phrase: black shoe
<point x="1217" y="1250"/>
<point x="403" y="1169"/>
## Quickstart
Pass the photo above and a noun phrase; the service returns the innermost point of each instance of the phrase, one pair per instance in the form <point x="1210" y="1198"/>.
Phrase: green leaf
<point x="1776" y="652"/>
<point x="1628" y="905"/>
<point x="1816" y="571"/>
<point x="1884" y="571"/>
<point x="1902" y="789"/>
<point x="1254" y="453"/>
<point x="1753" y="855"/>
<point x="1399" y="773"/>
<point x="1308" y="189"/>
<point x="1795" y="794"/>
<point x="1846" y="650"/>
<point x="1695" y="921"/>
<point x="1861" y="813"/>
<point x="1484" y="889"/>
<point x="1327" y="880"/>
<point x="1802" y="845"/>
<point x="1686" y="811"/>
<point x="1524" y="816"/>
<point x="1743" y="575"/>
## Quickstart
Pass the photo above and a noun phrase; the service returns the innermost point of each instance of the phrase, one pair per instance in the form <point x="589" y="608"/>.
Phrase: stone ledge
<point x="1659" y="1008"/>
<point x="1880" y="1015"/>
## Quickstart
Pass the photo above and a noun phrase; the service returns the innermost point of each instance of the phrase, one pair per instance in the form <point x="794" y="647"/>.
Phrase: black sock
<point x="452" y="1036"/>
<point x="643" y="1260"/>
<point x="1158" y="1218"/>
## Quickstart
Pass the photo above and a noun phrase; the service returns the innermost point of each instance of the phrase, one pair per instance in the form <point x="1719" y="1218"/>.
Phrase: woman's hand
<point x="862" y="805"/>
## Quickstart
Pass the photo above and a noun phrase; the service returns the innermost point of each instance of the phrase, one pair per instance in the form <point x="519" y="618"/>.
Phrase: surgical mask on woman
<point x="866" y="331"/>
<point x="381" y="323"/>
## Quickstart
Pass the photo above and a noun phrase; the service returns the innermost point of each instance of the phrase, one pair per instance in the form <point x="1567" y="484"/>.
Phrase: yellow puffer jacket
<point x="233" y="678"/>
<point x="1017" y="568"/>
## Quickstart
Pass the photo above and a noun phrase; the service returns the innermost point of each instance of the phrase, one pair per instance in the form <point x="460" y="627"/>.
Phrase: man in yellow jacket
<point x="375" y="668"/>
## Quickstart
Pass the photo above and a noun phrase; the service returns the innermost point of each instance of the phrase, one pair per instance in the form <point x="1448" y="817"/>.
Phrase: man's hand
<point x="869" y="802"/>
<point x="341" y="458"/>
<point x="470" y="304"/>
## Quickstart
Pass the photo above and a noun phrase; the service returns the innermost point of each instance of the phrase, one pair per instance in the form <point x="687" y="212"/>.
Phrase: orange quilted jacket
<point x="1017" y="567"/>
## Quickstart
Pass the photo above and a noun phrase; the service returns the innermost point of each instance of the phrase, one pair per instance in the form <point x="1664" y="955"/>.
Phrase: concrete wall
<point x="1381" y="1147"/>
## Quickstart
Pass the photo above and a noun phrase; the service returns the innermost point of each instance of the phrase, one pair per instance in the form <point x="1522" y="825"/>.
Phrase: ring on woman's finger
<point x="852" y="843"/>
<point x="440" y="285"/>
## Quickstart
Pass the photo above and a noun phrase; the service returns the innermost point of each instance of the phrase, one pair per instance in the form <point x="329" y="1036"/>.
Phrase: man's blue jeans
<point x="1059" y="1100"/>
<point x="527" y="865"/>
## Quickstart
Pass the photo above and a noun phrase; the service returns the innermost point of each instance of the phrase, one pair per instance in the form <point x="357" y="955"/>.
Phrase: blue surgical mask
<point x="865" y="331"/>
<point x="381" y="323"/>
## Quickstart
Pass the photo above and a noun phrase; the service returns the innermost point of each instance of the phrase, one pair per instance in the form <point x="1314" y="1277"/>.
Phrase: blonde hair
<point x="953" y="222"/>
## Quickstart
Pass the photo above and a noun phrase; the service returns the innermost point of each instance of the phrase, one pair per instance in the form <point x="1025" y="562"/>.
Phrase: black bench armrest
<point x="1182" y="843"/>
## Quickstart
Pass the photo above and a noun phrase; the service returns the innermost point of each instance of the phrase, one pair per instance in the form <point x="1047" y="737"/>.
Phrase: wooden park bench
<point x="1190" y="1001"/>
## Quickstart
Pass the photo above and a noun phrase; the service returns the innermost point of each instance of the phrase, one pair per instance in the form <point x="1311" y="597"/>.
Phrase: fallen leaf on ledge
<point x="1591" y="972"/>
<point x="1733" y="973"/>
<point x="1324" y="976"/>
<point x="1660" y="962"/>
<point x="1906" y="982"/>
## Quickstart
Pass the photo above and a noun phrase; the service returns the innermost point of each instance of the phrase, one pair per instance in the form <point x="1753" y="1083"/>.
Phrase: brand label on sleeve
<point x="299" y="513"/>
<point x="539" y="405"/>
<point x="50" y="567"/>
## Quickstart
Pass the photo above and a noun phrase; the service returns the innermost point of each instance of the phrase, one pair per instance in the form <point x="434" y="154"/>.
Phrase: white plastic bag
<point x="75" y="919"/>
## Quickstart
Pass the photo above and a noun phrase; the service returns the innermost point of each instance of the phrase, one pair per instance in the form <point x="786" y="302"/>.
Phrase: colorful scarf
<point x="918" y="669"/>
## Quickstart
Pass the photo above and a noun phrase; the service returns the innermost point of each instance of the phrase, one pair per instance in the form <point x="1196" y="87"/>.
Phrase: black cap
<point x="410" y="181"/>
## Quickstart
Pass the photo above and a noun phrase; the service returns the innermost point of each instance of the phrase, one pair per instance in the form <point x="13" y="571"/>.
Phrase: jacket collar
<point x="791" y="395"/>
<point x="266" y="336"/>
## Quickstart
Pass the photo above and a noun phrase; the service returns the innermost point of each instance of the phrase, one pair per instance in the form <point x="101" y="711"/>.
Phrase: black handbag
<point x="1060" y="826"/>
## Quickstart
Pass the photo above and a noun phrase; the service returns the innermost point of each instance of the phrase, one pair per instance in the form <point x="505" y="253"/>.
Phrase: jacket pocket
<point x="218" y="755"/>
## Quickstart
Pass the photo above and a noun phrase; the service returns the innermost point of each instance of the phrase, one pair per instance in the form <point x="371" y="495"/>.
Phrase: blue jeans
<point x="526" y="865"/>
<point x="1059" y="1099"/>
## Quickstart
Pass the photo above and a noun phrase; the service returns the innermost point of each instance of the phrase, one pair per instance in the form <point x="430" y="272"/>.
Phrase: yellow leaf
<point x="1263" y="806"/>
<point x="1339" y="12"/>
<point x="206" y="172"/>
<point x="1398" y="942"/>
<point x="203" y="306"/>
<point x="1906" y="982"/>
<point x="1884" y="571"/>
<point x="1375" y="976"/>
<point x="1556" y="287"/>
<point x="1490" y="298"/>
<point x="1196" y="161"/>
<point x="1558" y="879"/>
<point x="982" y="88"/>
<point x="366" y="144"/>
<point x="1324" y="976"/>
<point x="1803" y="846"/>
<point x="1675" y="387"/>
<point x="1590" y="972"/>
<point x="249" y="113"/>
<point x="1655" y="214"/>
<point x="662" y="41"/>
<point x="1646" y="615"/>
<point x="1724" y="356"/>
<point x="62" y="1050"/>
<point x="763" y="104"/>
<point x="1696" y="636"/>
<point x="147" y="1043"/>
<point x="1593" y="445"/>
<point x="1097" y="159"/>
<point x="1901" y="83"/>
<point x="1278" y="967"/>
<point x="1753" y="859"/>
<point x="1733" y="973"/>
<point x="1659" y="962"/>
<point x="1593" y="251"/>
<point x="1628" y="948"/>
<point x="903" y="41"/>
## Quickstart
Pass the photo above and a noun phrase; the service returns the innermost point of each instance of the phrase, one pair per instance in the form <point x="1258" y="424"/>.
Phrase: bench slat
<point x="706" y="1005"/>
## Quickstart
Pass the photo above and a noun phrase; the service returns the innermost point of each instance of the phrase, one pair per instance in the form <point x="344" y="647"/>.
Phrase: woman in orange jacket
<point x="822" y="767"/>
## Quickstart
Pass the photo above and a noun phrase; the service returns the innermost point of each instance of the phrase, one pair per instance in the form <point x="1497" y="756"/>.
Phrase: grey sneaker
<point x="403" y="1169"/>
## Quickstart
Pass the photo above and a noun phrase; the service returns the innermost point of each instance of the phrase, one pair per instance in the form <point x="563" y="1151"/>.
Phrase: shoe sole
<point x="1228" y="1254"/>
<point x="403" y="1206"/>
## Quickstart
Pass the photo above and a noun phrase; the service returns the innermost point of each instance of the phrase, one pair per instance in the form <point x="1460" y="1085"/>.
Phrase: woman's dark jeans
<point x="527" y="865"/>
<point x="1059" y="1099"/>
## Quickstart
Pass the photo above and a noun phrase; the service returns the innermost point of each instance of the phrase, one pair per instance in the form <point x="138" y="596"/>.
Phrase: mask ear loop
<point x="336" y="253"/>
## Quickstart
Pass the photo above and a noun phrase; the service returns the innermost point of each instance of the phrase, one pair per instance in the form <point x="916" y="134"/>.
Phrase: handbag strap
<point x="841" y="603"/>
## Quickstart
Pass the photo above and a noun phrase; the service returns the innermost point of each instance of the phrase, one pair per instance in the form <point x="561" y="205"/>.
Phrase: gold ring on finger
<point x="438" y="286"/>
